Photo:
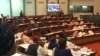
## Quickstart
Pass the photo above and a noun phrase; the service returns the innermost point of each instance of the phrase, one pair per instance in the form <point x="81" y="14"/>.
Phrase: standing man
<point x="21" y="13"/>
<point x="61" y="13"/>
<point x="3" y="18"/>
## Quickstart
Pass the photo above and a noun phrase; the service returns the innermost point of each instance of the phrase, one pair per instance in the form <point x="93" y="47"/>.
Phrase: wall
<point x="17" y="6"/>
<point x="30" y="7"/>
<point x="95" y="3"/>
<point x="41" y="7"/>
<point x="52" y="1"/>
<point x="64" y="6"/>
<point x="11" y="7"/>
<point x="5" y="7"/>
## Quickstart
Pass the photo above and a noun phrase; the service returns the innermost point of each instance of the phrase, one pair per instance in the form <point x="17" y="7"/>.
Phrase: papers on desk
<point x="86" y="51"/>
<point x="18" y="54"/>
<point x="18" y="36"/>
<point x="82" y="51"/>
<point x="70" y="45"/>
<point x="76" y="53"/>
<point x="25" y="46"/>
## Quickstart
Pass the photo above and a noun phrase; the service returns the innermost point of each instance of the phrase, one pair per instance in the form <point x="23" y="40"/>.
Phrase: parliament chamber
<point x="49" y="28"/>
<point x="76" y="31"/>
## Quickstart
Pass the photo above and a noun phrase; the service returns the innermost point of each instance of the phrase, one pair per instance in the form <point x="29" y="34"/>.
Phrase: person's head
<point x="62" y="43"/>
<point x="57" y="36"/>
<point x="1" y="15"/>
<point x="21" y="11"/>
<point x="41" y="43"/>
<point x="75" y="33"/>
<point x="97" y="13"/>
<point x="35" y="38"/>
<point x="61" y="10"/>
<point x="81" y="22"/>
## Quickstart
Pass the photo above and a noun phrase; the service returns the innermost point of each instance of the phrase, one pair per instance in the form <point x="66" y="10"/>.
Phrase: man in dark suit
<point x="61" y="49"/>
<point x="6" y="39"/>
<point x="52" y="43"/>
<point x="32" y="49"/>
<point x="21" y="14"/>
<point x="61" y="13"/>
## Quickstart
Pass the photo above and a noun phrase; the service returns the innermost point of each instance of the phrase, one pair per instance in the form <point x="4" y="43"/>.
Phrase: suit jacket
<point x="32" y="49"/>
<point x="62" y="52"/>
<point x="52" y="43"/>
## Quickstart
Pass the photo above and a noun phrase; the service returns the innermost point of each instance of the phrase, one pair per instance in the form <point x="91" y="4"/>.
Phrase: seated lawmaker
<point x="53" y="42"/>
<point x="61" y="50"/>
<point x="32" y="49"/>
<point x="81" y="33"/>
<point x="41" y="51"/>
<point x="90" y="32"/>
<point x="75" y="27"/>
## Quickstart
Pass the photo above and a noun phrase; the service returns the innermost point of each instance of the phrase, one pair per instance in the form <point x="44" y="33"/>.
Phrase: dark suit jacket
<point x="62" y="52"/>
<point x="32" y="49"/>
<point x="52" y="43"/>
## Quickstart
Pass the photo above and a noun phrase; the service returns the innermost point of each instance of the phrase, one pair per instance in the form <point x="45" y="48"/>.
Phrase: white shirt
<point x="41" y="51"/>
<point x="75" y="28"/>
<point x="80" y="34"/>
<point x="19" y="54"/>
<point x="91" y="32"/>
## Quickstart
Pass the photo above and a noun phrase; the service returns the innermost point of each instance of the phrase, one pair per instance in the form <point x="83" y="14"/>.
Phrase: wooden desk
<point x="79" y="52"/>
<point x="48" y="35"/>
<point x="86" y="39"/>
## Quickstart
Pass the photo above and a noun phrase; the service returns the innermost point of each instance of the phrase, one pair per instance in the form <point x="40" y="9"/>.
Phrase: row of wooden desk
<point x="78" y="40"/>
<point x="86" y="39"/>
<point x="75" y="50"/>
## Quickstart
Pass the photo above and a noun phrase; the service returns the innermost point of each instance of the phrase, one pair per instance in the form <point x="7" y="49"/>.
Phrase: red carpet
<point x="95" y="47"/>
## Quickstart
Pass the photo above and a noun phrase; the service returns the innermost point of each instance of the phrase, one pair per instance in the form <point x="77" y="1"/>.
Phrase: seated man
<point x="52" y="43"/>
<point x="92" y="26"/>
<point x="90" y="32"/>
<point x="81" y="33"/>
<point x="81" y="22"/>
<point x="61" y="49"/>
<point x="75" y="34"/>
<point x="81" y="27"/>
<point x="41" y="51"/>
<point x="75" y="28"/>
<point x="54" y="40"/>
<point x="32" y="49"/>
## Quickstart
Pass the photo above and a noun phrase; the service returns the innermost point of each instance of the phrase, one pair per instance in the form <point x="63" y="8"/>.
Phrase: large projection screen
<point x="53" y="7"/>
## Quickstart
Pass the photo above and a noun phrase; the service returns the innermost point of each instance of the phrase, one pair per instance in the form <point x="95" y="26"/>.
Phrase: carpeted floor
<point x="95" y="47"/>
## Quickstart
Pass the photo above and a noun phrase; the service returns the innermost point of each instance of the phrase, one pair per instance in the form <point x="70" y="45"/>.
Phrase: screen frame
<point x="53" y="10"/>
